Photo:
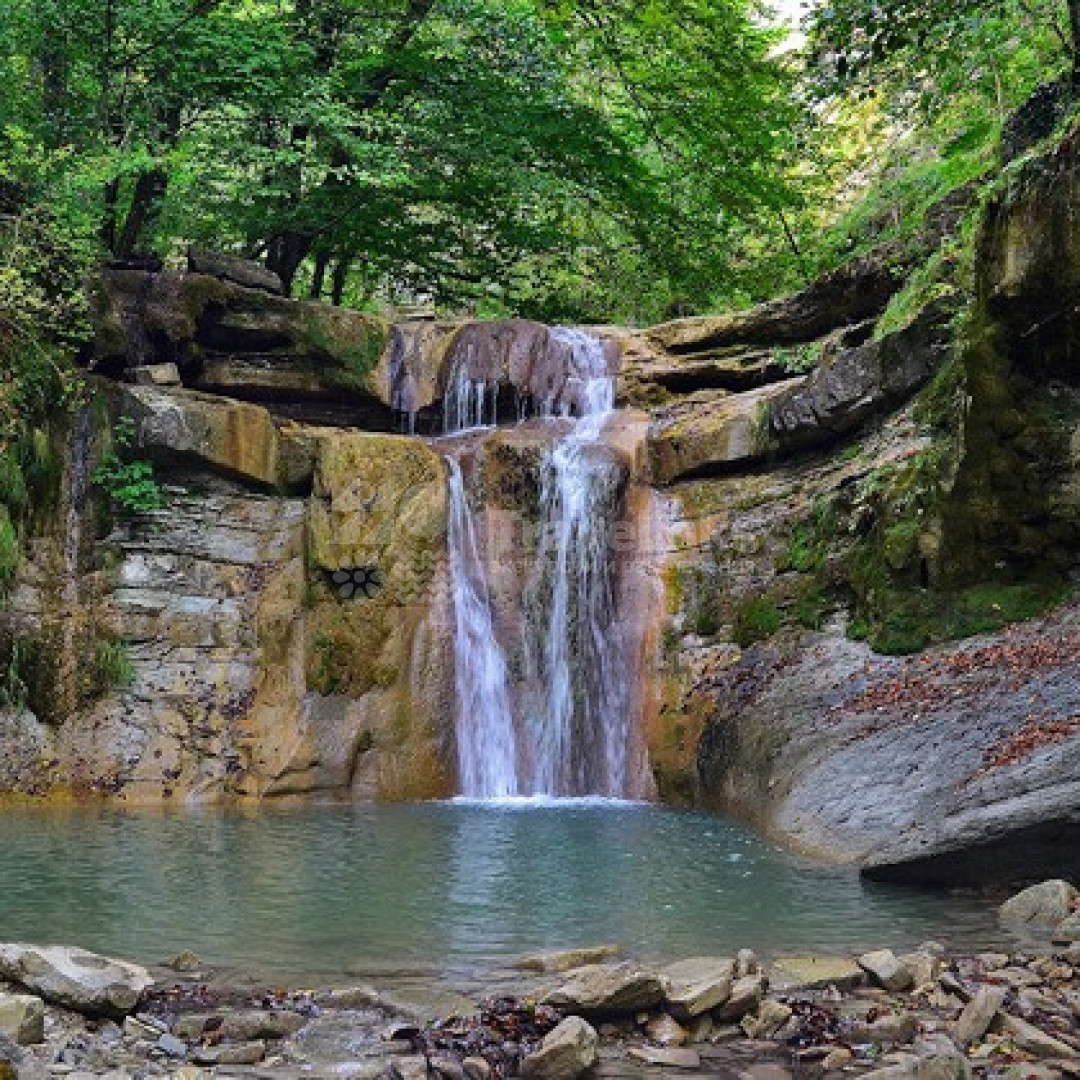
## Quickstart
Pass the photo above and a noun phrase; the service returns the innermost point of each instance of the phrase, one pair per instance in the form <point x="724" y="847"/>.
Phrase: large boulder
<point x="697" y="986"/>
<point x="851" y="385"/>
<point x="1045" y="905"/>
<point x="227" y="331"/>
<point x="75" y="979"/>
<point x="604" y="990"/>
<point x="235" y="438"/>
<point x="565" y="1053"/>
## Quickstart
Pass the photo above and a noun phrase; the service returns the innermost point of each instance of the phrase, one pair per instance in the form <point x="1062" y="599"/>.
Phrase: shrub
<point x="129" y="483"/>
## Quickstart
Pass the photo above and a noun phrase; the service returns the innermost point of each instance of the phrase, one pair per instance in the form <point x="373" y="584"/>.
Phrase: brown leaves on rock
<point x="933" y="682"/>
<point x="1036" y="734"/>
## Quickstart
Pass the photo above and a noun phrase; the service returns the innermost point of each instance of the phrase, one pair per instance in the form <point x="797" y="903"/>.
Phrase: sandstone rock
<point x="559" y="962"/>
<point x="924" y="967"/>
<point x="886" y="970"/>
<point x="856" y="291"/>
<point x="746" y="995"/>
<point x="797" y="974"/>
<point x="664" y="1030"/>
<point x="245" y="272"/>
<point x="76" y="979"/>
<point x="156" y="375"/>
<point x="250" y="1053"/>
<point x="446" y="1067"/>
<point x="937" y="1067"/>
<point x="245" y="1025"/>
<point x="979" y="1014"/>
<point x="1045" y="905"/>
<point x="144" y="1027"/>
<point x="1033" y="1040"/>
<point x="890" y="1028"/>
<point x="237" y="439"/>
<point x="838" y="1058"/>
<point x="22" y="1018"/>
<point x="171" y="1046"/>
<point x="477" y="1068"/>
<point x="708" y="433"/>
<point x="413" y="1067"/>
<point x="697" y="986"/>
<point x="853" y="384"/>
<point x="770" y="1017"/>
<point x="186" y="962"/>
<point x="565" y="1053"/>
<point x="746" y="963"/>
<point x="683" y="1058"/>
<point x="608" y="989"/>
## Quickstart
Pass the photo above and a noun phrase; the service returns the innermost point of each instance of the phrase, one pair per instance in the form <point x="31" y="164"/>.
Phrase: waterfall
<point x="573" y="647"/>
<point x="561" y="725"/>
<point x="485" y="733"/>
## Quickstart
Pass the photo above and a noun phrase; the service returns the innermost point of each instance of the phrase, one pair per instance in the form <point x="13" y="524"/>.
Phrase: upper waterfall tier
<point x="481" y="374"/>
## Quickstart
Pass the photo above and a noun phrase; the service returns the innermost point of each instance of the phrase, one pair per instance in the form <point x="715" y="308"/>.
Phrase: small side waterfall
<point x="485" y="731"/>
<point x="555" y="719"/>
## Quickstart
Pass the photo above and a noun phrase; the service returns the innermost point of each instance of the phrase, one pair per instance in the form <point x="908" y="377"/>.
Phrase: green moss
<point x="9" y="550"/>
<point x="813" y="606"/>
<point x="910" y="621"/>
<point x="757" y="619"/>
<point x="352" y="347"/>
<point x="939" y="405"/>
<point x="810" y="540"/>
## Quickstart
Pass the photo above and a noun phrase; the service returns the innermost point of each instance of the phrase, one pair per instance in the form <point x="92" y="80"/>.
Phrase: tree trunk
<point x="146" y="202"/>
<point x="340" y="278"/>
<point x="318" y="275"/>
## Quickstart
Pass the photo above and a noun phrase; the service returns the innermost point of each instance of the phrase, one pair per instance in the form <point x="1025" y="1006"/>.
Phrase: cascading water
<point x="485" y="735"/>
<point x="573" y="648"/>
<point x="560" y="726"/>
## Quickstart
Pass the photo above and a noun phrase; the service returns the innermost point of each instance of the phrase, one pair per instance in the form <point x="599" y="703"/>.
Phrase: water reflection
<point x="324" y="891"/>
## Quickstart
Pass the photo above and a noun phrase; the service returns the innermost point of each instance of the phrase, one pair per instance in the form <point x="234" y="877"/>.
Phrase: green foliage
<point x="524" y="156"/>
<point x="110" y="668"/>
<point x="810" y="541"/>
<point x="128" y="482"/>
<point x="756" y="619"/>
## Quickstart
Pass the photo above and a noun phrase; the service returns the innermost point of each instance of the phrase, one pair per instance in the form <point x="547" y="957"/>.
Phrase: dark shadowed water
<point x="332" y="890"/>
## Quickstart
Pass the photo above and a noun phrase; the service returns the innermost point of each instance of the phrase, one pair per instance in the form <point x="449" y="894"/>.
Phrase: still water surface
<point x="333" y="890"/>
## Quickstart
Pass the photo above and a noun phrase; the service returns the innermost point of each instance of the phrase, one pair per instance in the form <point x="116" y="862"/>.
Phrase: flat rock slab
<point x="793" y="974"/>
<point x="670" y="1058"/>
<point x="75" y="979"/>
<point x="560" y="962"/>
<point x="698" y="985"/>
<point x="608" y="990"/>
